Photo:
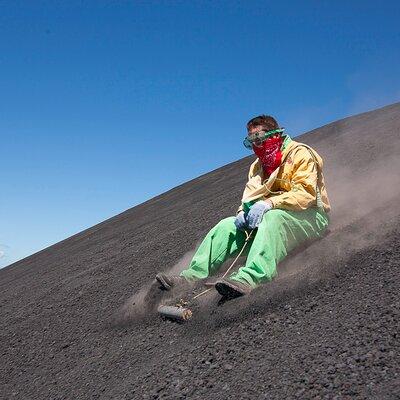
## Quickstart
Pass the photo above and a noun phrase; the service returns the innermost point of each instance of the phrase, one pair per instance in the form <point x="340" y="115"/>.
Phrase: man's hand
<point x="240" y="221"/>
<point x="256" y="213"/>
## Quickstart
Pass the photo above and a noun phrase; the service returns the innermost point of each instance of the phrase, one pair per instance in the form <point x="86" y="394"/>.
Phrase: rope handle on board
<point x="248" y="236"/>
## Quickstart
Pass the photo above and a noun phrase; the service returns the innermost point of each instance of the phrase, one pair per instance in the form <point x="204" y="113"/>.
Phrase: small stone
<point x="228" y="367"/>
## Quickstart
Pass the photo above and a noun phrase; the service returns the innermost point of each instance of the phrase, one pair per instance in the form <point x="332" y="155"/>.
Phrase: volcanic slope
<point x="326" y="327"/>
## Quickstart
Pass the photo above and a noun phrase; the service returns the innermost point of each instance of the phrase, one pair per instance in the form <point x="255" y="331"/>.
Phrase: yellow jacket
<point x="296" y="185"/>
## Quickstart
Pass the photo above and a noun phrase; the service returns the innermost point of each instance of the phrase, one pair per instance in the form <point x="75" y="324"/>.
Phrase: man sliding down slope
<point x="284" y="201"/>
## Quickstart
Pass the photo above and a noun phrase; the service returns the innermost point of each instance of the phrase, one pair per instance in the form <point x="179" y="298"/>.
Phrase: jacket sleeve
<point x="303" y="185"/>
<point x="241" y="204"/>
<point x="249" y="176"/>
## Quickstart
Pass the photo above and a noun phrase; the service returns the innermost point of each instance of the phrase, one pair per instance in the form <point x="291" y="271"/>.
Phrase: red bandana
<point x="269" y="154"/>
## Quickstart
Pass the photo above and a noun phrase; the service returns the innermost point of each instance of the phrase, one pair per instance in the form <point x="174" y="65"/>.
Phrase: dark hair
<point x="265" y="121"/>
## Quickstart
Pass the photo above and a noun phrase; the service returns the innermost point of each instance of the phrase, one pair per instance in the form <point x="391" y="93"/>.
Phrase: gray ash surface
<point x="327" y="327"/>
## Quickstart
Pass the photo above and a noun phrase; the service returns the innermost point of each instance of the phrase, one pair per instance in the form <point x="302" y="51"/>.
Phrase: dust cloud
<point x="144" y="302"/>
<point x="355" y="196"/>
<point x="364" y="193"/>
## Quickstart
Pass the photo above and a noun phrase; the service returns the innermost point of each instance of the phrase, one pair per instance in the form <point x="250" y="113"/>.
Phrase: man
<point x="284" y="203"/>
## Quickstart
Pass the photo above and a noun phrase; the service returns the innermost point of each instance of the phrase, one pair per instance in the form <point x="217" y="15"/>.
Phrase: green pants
<point x="279" y="232"/>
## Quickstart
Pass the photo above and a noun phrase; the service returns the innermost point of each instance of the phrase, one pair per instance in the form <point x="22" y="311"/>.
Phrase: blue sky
<point x="105" y="104"/>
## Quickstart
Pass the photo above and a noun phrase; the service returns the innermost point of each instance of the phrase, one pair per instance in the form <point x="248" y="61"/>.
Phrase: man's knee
<point x="226" y="224"/>
<point x="223" y="227"/>
<point x="274" y="217"/>
<point x="273" y="221"/>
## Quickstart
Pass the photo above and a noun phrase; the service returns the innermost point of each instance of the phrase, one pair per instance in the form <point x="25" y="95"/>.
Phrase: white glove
<point x="256" y="213"/>
<point x="240" y="221"/>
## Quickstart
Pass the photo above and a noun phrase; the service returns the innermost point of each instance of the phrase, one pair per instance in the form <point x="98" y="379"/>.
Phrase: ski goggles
<point x="258" y="137"/>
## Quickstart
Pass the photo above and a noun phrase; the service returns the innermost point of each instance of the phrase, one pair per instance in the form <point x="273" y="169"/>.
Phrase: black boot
<point x="167" y="282"/>
<point x="230" y="289"/>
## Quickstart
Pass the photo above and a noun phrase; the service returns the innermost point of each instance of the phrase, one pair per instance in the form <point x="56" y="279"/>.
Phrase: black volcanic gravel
<point x="326" y="330"/>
